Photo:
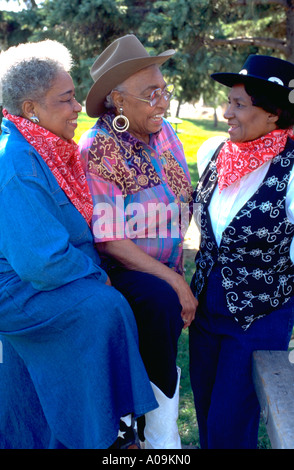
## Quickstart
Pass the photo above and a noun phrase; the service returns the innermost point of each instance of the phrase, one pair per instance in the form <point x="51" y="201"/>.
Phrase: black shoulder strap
<point x="217" y="151"/>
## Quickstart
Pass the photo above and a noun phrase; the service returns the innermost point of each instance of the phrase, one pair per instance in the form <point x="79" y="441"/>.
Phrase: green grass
<point x="84" y="123"/>
<point x="192" y="134"/>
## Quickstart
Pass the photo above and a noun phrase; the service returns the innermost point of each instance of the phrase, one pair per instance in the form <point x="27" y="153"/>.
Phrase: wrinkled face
<point x="144" y="119"/>
<point x="59" y="111"/>
<point x="247" y="122"/>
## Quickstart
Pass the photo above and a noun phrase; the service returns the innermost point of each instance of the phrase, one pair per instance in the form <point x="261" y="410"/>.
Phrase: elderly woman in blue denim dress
<point x="71" y="366"/>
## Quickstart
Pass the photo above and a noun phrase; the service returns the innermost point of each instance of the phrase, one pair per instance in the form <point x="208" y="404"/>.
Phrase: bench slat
<point x="273" y="376"/>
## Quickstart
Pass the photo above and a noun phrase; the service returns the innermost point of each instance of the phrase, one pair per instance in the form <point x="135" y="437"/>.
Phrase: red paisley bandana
<point x="63" y="159"/>
<point x="237" y="159"/>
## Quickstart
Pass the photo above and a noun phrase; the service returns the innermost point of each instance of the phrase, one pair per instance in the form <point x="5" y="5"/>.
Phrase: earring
<point x="35" y="119"/>
<point x="117" y="126"/>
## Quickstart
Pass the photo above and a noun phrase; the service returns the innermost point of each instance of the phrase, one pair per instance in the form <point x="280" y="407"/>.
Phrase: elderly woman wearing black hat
<point x="139" y="180"/>
<point x="244" y="267"/>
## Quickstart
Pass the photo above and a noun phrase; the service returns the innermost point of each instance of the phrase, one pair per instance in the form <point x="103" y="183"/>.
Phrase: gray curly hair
<point x="27" y="72"/>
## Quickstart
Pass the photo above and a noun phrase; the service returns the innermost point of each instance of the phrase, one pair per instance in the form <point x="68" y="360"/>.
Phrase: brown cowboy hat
<point x="121" y="59"/>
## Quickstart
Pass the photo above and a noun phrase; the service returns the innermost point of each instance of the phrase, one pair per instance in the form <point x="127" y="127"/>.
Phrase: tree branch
<point x="272" y="43"/>
<point x="282" y="3"/>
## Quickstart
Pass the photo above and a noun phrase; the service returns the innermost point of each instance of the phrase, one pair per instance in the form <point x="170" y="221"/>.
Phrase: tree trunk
<point x="178" y="107"/>
<point x="290" y="30"/>
<point x="215" y="124"/>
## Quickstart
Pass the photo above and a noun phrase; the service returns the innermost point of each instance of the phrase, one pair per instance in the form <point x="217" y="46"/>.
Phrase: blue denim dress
<point x="70" y="365"/>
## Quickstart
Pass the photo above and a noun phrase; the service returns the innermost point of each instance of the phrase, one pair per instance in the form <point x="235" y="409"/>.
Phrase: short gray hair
<point x="27" y="72"/>
<point x="108" y="103"/>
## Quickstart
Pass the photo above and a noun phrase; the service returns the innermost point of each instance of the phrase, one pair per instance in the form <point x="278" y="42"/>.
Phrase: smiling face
<point x="144" y="119"/>
<point x="59" y="110"/>
<point x="247" y="122"/>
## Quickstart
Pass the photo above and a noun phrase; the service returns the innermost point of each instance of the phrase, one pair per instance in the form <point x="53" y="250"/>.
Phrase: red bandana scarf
<point x="237" y="159"/>
<point x="63" y="159"/>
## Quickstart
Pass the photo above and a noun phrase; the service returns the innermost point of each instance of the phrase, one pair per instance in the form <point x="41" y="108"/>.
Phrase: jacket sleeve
<point x="35" y="241"/>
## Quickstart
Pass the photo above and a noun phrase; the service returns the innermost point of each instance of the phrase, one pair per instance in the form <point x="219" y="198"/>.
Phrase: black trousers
<point x="157" y="311"/>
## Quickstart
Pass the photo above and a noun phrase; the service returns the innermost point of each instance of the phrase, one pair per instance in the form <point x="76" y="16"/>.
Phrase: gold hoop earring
<point x="117" y="126"/>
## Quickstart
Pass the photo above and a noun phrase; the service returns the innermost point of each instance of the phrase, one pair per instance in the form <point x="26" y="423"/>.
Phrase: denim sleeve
<point x="35" y="240"/>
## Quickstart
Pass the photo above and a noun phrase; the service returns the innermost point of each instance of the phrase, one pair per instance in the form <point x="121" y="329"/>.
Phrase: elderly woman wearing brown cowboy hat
<point x="139" y="181"/>
<point x="244" y="268"/>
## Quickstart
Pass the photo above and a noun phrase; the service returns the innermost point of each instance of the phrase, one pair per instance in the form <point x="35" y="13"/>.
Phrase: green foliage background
<point x="208" y="35"/>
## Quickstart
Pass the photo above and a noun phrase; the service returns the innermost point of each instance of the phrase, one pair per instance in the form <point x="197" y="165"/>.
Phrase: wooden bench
<point x="273" y="375"/>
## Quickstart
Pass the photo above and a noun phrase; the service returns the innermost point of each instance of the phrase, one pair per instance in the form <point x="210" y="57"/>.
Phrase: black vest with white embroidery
<point x="254" y="253"/>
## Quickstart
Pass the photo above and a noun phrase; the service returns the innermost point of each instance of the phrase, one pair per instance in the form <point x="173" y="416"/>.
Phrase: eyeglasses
<point x="156" y="95"/>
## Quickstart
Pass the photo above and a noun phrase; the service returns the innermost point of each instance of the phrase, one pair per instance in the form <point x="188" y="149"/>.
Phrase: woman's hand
<point x="129" y="255"/>
<point x="187" y="301"/>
